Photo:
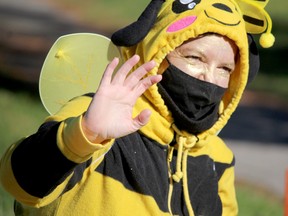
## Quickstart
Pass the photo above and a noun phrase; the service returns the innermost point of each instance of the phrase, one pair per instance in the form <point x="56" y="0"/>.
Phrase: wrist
<point x="91" y="135"/>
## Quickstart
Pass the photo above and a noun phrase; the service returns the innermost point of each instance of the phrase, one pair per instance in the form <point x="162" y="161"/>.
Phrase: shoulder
<point x="75" y="107"/>
<point x="219" y="151"/>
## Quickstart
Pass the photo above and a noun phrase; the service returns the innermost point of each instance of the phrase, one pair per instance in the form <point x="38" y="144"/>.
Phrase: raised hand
<point x="110" y="113"/>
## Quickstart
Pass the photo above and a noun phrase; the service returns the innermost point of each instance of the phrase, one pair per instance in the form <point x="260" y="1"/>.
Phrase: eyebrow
<point x="189" y="50"/>
<point x="202" y="53"/>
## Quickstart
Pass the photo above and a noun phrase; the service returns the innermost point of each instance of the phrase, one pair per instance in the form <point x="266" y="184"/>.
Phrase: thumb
<point x="142" y="119"/>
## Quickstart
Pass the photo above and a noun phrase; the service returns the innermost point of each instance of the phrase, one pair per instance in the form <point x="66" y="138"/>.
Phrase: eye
<point x="193" y="57"/>
<point x="225" y="71"/>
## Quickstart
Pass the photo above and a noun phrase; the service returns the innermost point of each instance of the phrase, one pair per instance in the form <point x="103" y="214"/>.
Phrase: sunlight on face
<point x="211" y="58"/>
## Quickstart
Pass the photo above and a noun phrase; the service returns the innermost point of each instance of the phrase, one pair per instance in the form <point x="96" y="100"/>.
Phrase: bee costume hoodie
<point x="161" y="169"/>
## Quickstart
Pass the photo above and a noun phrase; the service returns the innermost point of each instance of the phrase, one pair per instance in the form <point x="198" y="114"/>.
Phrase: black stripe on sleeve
<point x="38" y="164"/>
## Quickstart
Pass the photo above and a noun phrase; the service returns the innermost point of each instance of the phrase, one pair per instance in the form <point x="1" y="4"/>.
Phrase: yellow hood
<point x="175" y="23"/>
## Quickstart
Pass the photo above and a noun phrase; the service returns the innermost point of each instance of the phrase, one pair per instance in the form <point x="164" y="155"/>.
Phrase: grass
<point x="257" y="202"/>
<point x="22" y="113"/>
<point x="275" y="84"/>
<point x="115" y="13"/>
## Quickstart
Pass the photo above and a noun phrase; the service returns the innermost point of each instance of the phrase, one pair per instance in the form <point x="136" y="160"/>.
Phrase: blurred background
<point x="257" y="132"/>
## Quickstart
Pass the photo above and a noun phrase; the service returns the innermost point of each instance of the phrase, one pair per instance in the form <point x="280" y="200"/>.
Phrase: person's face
<point x="211" y="58"/>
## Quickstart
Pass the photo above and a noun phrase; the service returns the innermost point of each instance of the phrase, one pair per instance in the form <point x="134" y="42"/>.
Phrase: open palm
<point x="110" y="112"/>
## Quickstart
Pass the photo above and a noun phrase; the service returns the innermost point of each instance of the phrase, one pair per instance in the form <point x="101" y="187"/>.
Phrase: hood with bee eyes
<point x="165" y="25"/>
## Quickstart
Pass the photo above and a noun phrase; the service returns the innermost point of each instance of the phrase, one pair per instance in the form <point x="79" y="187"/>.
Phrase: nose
<point x="206" y="75"/>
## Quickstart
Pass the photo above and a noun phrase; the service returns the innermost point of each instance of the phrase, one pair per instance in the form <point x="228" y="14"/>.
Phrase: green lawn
<point x="21" y="114"/>
<point x="116" y="14"/>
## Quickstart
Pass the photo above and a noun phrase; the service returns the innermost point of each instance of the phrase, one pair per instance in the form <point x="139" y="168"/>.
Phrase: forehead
<point x="209" y="40"/>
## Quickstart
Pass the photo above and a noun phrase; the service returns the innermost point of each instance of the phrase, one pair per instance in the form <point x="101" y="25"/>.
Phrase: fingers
<point x="139" y="73"/>
<point x="146" y="83"/>
<point x="142" y="119"/>
<point x="107" y="76"/>
<point x="135" y="79"/>
<point x="122" y="73"/>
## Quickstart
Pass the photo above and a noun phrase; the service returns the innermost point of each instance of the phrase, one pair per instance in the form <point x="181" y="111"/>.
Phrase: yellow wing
<point x="73" y="67"/>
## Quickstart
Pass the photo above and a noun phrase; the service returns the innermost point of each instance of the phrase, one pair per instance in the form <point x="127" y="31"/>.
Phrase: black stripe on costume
<point x="77" y="175"/>
<point x="253" y="20"/>
<point x="140" y="165"/>
<point x="221" y="167"/>
<point x="37" y="162"/>
<point x="202" y="185"/>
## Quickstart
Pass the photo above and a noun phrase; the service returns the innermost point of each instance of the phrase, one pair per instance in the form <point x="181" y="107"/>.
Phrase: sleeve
<point x="39" y="168"/>
<point x="224" y="163"/>
<point x="227" y="193"/>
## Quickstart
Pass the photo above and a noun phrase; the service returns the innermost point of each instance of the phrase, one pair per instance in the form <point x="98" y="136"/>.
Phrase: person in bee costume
<point x="146" y="143"/>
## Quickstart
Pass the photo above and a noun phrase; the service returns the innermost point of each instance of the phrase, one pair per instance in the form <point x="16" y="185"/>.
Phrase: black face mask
<point x="194" y="103"/>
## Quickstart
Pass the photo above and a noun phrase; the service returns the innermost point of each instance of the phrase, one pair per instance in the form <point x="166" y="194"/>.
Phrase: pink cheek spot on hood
<point x="181" y="24"/>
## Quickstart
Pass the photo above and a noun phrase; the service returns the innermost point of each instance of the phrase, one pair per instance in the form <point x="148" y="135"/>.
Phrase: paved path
<point x="261" y="165"/>
<point x="257" y="134"/>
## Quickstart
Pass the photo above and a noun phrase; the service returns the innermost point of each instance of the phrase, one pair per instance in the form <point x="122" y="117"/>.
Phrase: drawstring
<point x="185" y="142"/>
<point x="177" y="176"/>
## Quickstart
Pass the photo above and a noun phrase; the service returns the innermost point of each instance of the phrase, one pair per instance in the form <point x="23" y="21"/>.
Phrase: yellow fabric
<point x="159" y="41"/>
<point x="227" y="193"/>
<point x="96" y="199"/>
<point x="158" y="128"/>
<point x="71" y="109"/>
<point x="89" y="198"/>
<point x="73" y="143"/>
<point x="70" y="138"/>
<point x="10" y="184"/>
<point x="255" y="9"/>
